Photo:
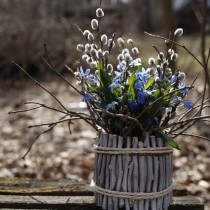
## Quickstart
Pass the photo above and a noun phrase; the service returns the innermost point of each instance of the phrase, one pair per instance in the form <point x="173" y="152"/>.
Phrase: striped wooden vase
<point x="132" y="174"/>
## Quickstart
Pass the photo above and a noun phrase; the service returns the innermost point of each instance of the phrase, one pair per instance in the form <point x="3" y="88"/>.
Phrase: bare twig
<point x="192" y="135"/>
<point x="35" y="139"/>
<point x="41" y="86"/>
<point x="54" y="123"/>
<point x="194" y="119"/>
<point x="183" y="46"/>
<point x="49" y="63"/>
<point x="24" y="110"/>
<point x="124" y="117"/>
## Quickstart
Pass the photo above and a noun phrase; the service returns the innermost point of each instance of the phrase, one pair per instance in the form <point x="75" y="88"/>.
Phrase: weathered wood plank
<point x="186" y="203"/>
<point x="69" y="194"/>
<point x="44" y="187"/>
<point x="80" y="202"/>
<point x="57" y="187"/>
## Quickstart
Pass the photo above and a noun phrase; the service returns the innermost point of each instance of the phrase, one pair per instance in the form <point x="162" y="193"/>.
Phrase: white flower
<point x="88" y="47"/>
<point x="135" y="50"/>
<point x="94" y="24"/>
<point x="111" y="41"/>
<point x="93" y="64"/>
<point x="85" y="57"/>
<point x="100" y="53"/>
<point x="151" y="61"/>
<point x="80" y="48"/>
<point x="120" y="57"/>
<point x="106" y="55"/>
<point x="125" y="50"/>
<point x="89" y="60"/>
<point x="128" y="57"/>
<point x="178" y="32"/>
<point x="93" y="52"/>
<point x="104" y="39"/>
<point x="170" y="51"/>
<point x="120" y="41"/>
<point x="181" y="76"/>
<point x="110" y="67"/>
<point x="99" y="12"/>
<point x="130" y="41"/>
<point x="167" y="70"/>
<point x="90" y="37"/>
<point x="85" y="33"/>
<point x="152" y="70"/>
<point x="174" y="56"/>
<point x="161" y="55"/>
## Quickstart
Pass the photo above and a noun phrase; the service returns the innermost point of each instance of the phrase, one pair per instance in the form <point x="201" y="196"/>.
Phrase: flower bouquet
<point x="134" y="106"/>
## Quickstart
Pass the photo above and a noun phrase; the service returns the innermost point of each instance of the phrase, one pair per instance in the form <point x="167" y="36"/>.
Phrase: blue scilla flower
<point x="186" y="89"/>
<point x="116" y="83"/>
<point x="121" y="67"/>
<point x="141" y="97"/>
<point x="87" y="97"/>
<point x="143" y="76"/>
<point x="149" y="122"/>
<point x="177" y="100"/>
<point x="119" y="75"/>
<point x="188" y="104"/>
<point x="133" y="105"/>
<point x="138" y="85"/>
<point x="136" y="62"/>
<point x="111" y="106"/>
<point x="173" y="79"/>
<point x="86" y="74"/>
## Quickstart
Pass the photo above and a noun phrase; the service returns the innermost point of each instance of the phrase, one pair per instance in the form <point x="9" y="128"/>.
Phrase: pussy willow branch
<point x="49" y="63"/>
<point x="185" y="48"/>
<point x="176" y="43"/>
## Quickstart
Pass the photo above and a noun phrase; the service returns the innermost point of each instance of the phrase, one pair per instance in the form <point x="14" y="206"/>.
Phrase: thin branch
<point x="43" y="132"/>
<point x="183" y="46"/>
<point x="54" y="123"/>
<point x="207" y="60"/>
<point x="122" y="116"/>
<point x="193" y="135"/>
<point x="194" y="119"/>
<point x="24" y="110"/>
<point x="41" y="86"/>
<point x="49" y="63"/>
<point x="78" y="114"/>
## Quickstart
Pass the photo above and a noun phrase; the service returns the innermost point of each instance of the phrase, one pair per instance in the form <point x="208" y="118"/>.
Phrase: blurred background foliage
<point x="25" y="26"/>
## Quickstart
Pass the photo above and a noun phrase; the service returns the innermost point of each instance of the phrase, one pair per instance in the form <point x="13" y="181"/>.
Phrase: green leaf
<point x="168" y="139"/>
<point x="106" y="81"/>
<point x="139" y="68"/>
<point x="150" y="82"/>
<point x="131" y="83"/>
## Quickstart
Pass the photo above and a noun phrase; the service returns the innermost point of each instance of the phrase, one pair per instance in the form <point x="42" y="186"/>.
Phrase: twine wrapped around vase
<point x="132" y="173"/>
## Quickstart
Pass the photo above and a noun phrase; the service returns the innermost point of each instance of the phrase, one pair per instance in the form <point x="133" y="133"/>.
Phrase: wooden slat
<point x="44" y="187"/>
<point x="80" y="202"/>
<point x="69" y="194"/>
